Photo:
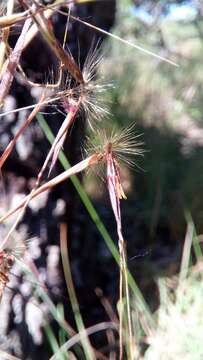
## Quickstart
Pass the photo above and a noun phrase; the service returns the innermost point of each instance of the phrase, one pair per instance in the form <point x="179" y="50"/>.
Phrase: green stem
<point x="72" y="294"/>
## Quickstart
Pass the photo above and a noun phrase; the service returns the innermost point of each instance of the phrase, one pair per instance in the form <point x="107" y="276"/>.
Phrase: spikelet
<point x="123" y="143"/>
<point x="94" y="89"/>
<point x="15" y="245"/>
<point x="87" y="96"/>
<point x="10" y="250"/>
<point x="6" y="263"/>
<point x="13" y="248"/>
<point x="90" y="93"/>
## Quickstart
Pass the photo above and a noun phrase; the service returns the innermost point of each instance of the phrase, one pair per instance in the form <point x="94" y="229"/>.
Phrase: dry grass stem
<point x="13" y="61"/>
<point x="72" y="293"/>
<point x="78" y="337"/>
<point x="90" y="161"/>
<point x="12" y="19"/>
<point x="12" y="143"/>
<point x="46" y="29"/>
<point x="62" y="133"/>
<point x="126" y="42"/>
<point x="5" y="35"/>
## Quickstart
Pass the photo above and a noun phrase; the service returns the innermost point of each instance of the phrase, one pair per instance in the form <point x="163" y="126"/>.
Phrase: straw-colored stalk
<point x="81" y="166"/>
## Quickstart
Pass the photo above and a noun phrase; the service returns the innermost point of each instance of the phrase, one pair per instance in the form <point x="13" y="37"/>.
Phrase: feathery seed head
<point x="90" y="93"/>
<point x="16" y="245"/>
<point x="93" y="91"/>
<point x="122" y="144"/>
<point x="6" y="263"/>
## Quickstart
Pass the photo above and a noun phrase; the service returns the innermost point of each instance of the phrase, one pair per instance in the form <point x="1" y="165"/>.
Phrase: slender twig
<point x="5" y="35"/>
<point x="126" y="42"/>
<point x="13" y="61"/>
<point x="46" y="29"/>
<point x="12" y="143"/>
<point x="78" y="337"/>
<point x="88" y="162"/>
<point x="71" y="290"/>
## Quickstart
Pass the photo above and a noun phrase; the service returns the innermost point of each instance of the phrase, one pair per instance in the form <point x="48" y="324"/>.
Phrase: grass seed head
<point x="6" y="263"/>
<point x="123" y="144"/>
<point x="16" y="245"/>
<point x="94" y="89"/>
<point x="91" y="93"/>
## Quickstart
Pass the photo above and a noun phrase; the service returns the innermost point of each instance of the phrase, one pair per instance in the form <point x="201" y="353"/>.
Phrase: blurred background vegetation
<point x="166" y="103"/>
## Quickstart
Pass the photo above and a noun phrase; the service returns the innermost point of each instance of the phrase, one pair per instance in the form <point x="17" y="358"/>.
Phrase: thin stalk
<point x="12" y="143"/>
<point x="53" y="341"/>
<point x="129" y="316"/>
<point x="185" y="262"/>
<point x="120" y="310"/>
<point x="45" y="28"/>
<point x="126" y="42"/>
<point x="46" y="102"/>
<point x="60" y="138"/>
<point x="5" y="35"/>
<point x="78" y="337"/>
<point x="116" y="193"/>
<point x="12" y="19"/>
<point x="82" y="165"/>
<point x="13" y="61"/>
<point x="71" y="291"/>
<point x="48" y="11"/>
<point x="196" y="243"/>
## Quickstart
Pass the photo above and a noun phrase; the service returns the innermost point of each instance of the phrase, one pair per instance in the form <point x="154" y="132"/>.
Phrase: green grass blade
<point x="62" y="333"/>
<point x="186" y="256"/>
<point x="52" y="340"/>
<point x="196" y="245"/>
<point x="72" y="294"/>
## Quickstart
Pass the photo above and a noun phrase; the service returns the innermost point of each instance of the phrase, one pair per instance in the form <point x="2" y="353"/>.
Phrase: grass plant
<point x="79" y="90"/>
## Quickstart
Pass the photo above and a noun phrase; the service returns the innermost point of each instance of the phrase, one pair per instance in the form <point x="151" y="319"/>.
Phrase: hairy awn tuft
<point x="124" y="143"/>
